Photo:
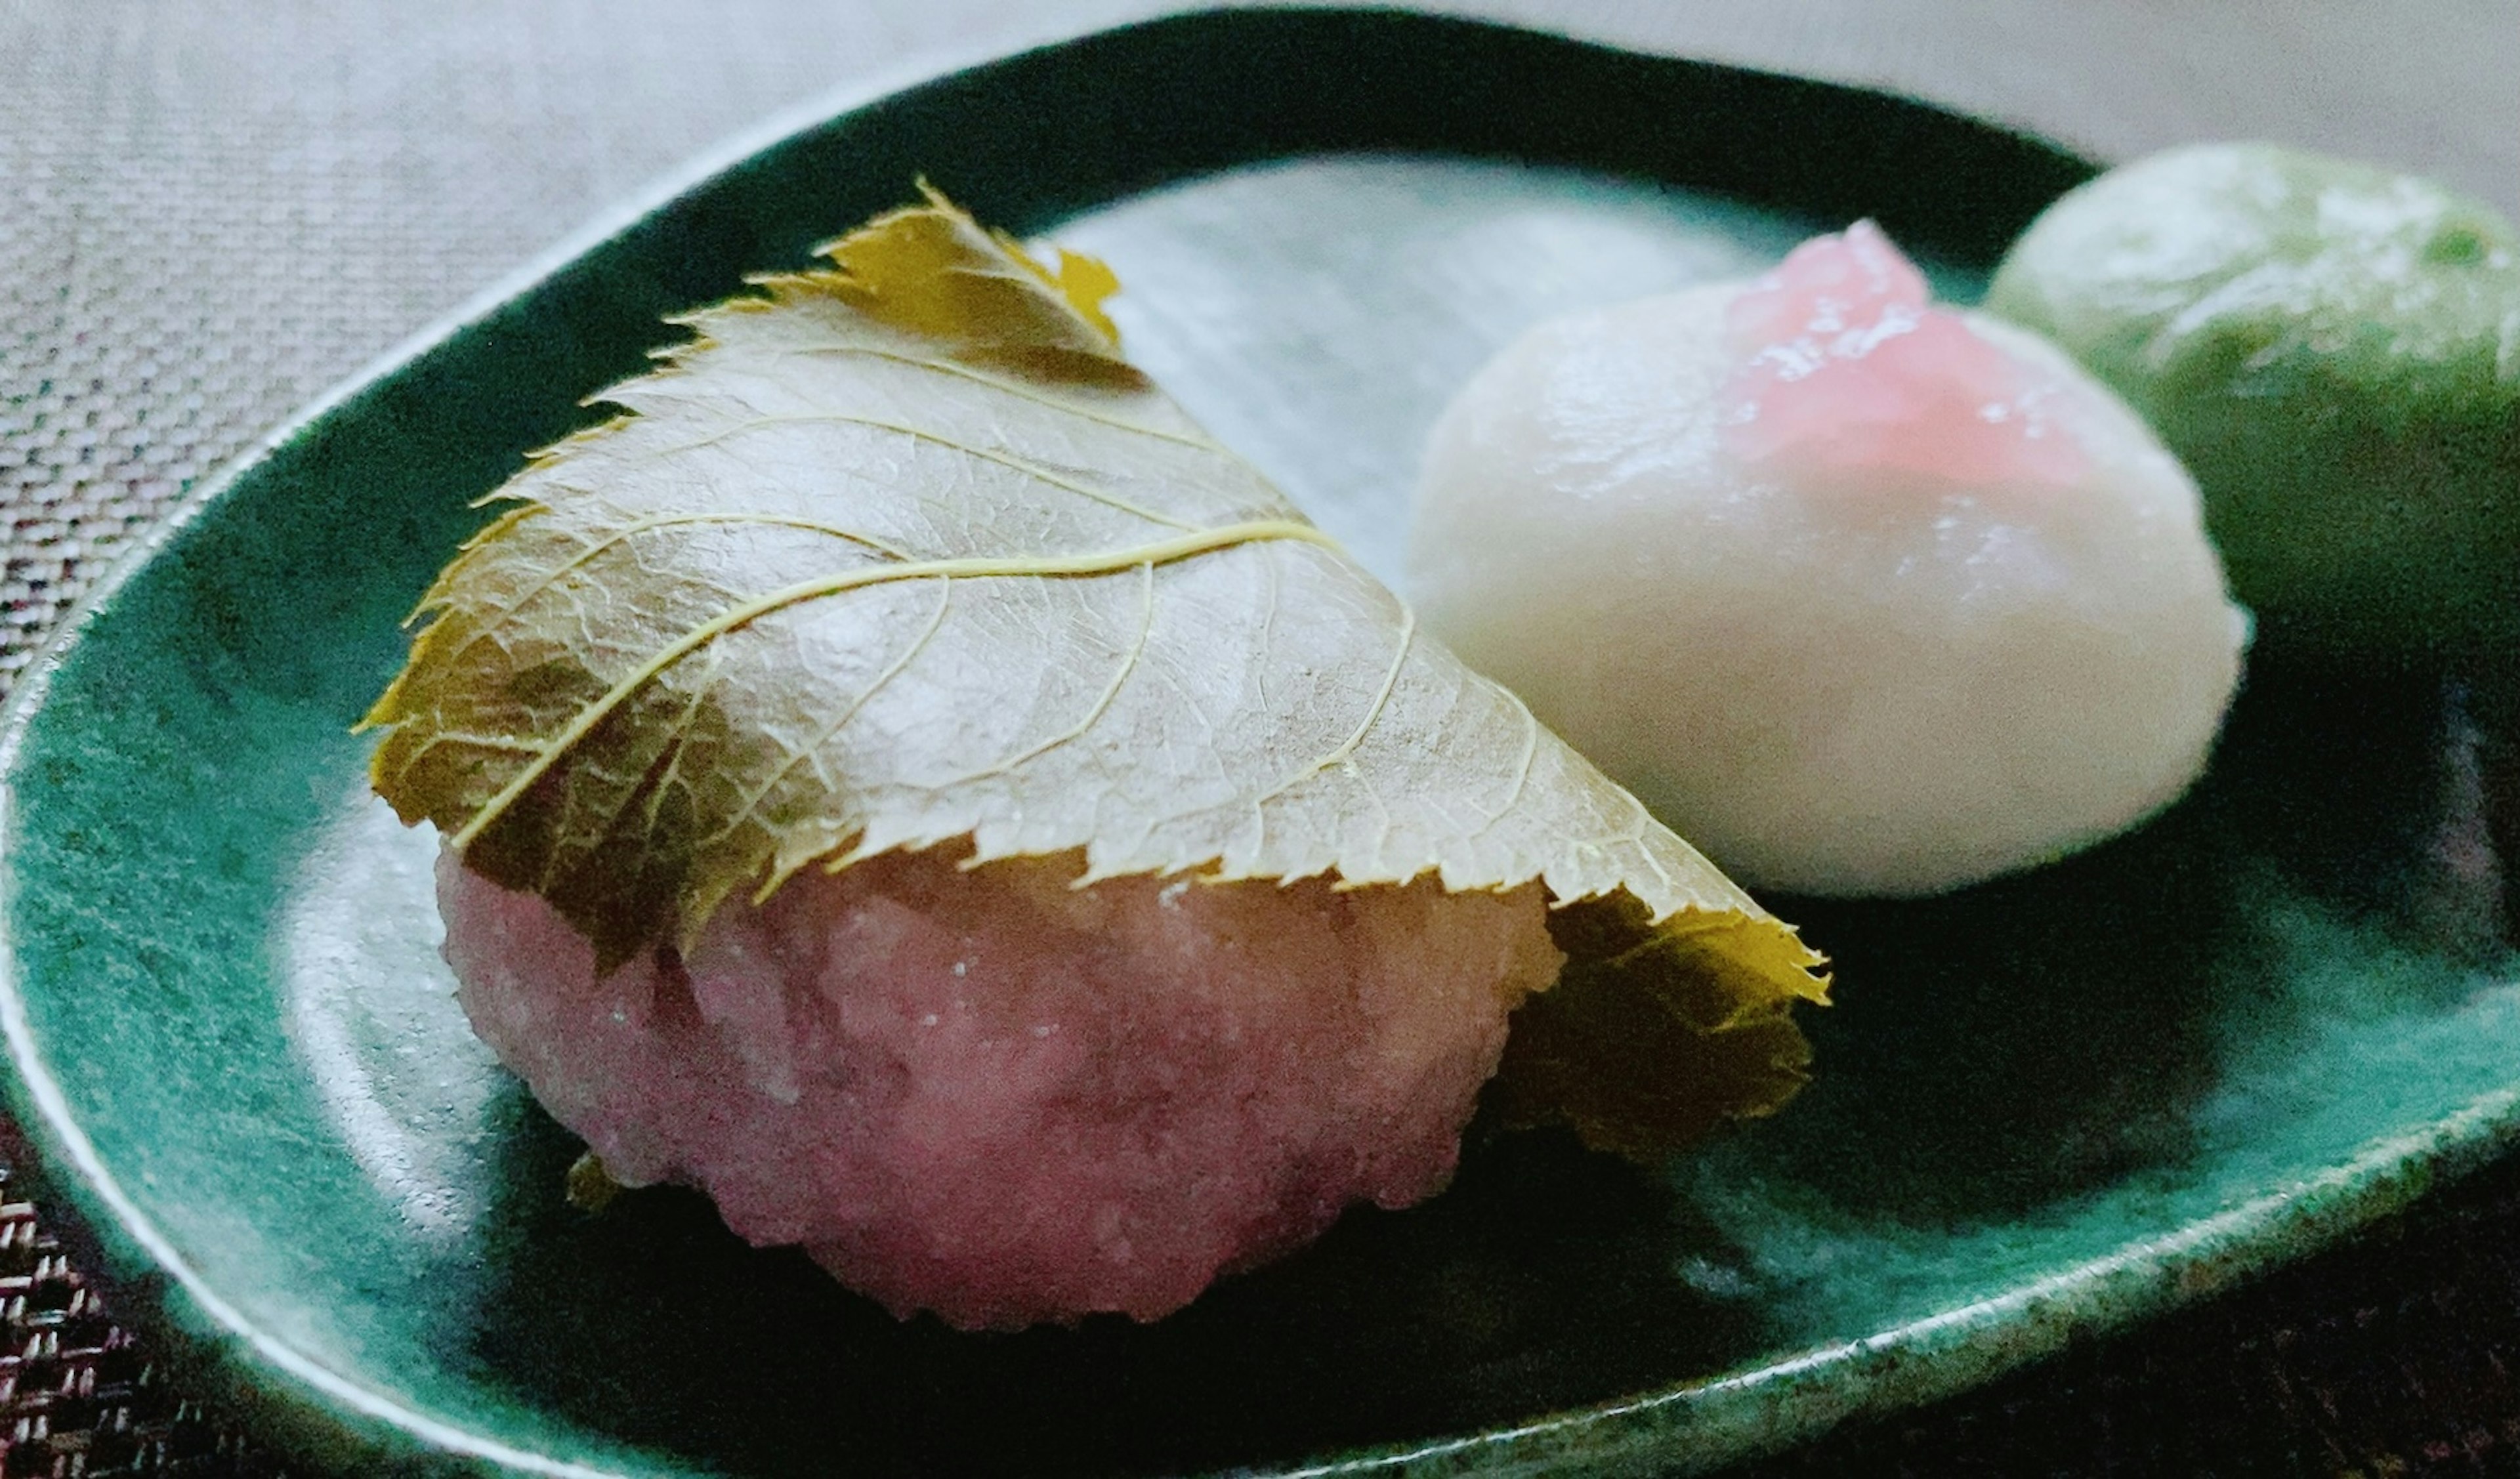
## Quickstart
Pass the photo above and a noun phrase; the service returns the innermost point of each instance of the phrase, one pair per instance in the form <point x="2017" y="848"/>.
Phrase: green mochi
<point x="2334" y="352"/>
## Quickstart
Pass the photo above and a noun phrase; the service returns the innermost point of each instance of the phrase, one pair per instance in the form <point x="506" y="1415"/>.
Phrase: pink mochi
<point x="1847" y="368"/>
<point x="992" y="1095"/>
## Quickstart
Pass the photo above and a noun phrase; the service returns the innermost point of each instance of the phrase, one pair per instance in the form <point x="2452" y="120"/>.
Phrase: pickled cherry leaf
<point x="903" y="553"/>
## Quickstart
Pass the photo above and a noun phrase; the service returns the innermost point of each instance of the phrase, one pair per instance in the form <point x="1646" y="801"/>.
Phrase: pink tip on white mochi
<point x="1848" y="368"/>
<point x="1005" y="1100"/>
<point x="1860" y="596"/>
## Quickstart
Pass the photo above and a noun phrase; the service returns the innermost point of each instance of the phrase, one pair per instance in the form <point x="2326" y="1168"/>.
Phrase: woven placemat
<point x="211" y="213"/>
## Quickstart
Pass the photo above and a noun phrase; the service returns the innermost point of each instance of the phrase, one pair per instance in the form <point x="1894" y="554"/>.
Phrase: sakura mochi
<point x="1865" y="595"/>
<point x="906" y="780"/>
<point x="1005" y="1100"/>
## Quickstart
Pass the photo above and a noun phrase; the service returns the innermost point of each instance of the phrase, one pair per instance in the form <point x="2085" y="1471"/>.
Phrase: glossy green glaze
<point x="2046" y="1107"/>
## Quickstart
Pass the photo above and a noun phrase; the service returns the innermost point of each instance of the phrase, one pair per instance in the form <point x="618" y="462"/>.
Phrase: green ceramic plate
<point x="2046" y="1107"/>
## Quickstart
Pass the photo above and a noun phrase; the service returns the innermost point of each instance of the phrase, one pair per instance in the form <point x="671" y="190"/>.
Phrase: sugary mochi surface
<point x="991" y="1095"/>
<point x="1847" y="368"/>
<point x="2333" y="350"/>
<point x="1861" y="595"/>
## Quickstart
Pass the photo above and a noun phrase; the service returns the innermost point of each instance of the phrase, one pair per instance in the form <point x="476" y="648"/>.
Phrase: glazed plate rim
<point x="1895" y="1368"/>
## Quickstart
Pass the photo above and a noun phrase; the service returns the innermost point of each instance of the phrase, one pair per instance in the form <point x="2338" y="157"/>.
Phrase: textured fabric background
<point x="211" y="212"/>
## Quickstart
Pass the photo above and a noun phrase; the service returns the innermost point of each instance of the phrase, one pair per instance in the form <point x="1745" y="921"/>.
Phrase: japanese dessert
<point x="1869" y="597"/>
<point x="1008" y="1099"/>
<point x="906" y="781"/>
<point x="2334" y="351"/>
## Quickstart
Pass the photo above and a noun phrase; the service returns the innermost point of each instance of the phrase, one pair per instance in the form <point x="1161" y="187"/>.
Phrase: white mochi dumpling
<point x="1862" y="594"/>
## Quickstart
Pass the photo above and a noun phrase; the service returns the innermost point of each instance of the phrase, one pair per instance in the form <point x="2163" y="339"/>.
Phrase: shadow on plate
<point x="1996" y="1052"/>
